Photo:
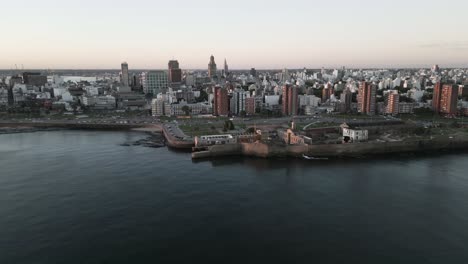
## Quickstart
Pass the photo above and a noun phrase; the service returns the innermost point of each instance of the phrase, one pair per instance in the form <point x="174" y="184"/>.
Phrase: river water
<point x="81" y="197"/>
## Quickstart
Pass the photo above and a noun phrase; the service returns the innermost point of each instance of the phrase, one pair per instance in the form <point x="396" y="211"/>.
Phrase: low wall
<point x="334" y="150"/>
<point x="176" y="143"/>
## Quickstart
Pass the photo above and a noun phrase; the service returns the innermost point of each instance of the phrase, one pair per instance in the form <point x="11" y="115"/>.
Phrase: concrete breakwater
<point x="263" y="150"/>
<point x="175" y="138"/>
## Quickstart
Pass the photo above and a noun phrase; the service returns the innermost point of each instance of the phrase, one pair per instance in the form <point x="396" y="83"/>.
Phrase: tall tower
<point x="392" y="103"/>
<point x="212" y="67"/>
<point x="221" y="104"/>
<point x="437" y="93"/>
<point x="449" y="99"/>
<point x="124" y="79"/>
<point x="226" y="68"/>
<point x="175" y="73"/>
<point x="290" y="100"/>
<point x="366" y="98"/>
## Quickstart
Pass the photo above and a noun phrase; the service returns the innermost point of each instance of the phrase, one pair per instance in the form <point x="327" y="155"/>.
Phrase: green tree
<point x="243" y="113"/>
<point x="186" y="110"/>
<point x="228" y="125"/>
<point x="203" y="96"/>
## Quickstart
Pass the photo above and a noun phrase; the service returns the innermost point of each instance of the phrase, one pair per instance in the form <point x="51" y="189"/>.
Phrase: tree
<point x="186" y="110"/>
<point x="228" y="125"/>
<point x="203" y="96"/>
<point x="243" y="113"/>
<point x="318" y="92"/>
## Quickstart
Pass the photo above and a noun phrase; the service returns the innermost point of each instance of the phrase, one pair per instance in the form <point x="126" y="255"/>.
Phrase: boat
<point x="312" y="158"/>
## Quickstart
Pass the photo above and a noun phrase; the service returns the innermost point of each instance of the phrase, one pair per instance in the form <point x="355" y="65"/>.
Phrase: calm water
<point x="79" y="197"/>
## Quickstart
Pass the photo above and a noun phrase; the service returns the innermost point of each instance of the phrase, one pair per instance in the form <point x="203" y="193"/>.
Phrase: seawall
<point x="173" y="142"/>
<point x="263" y="150"/>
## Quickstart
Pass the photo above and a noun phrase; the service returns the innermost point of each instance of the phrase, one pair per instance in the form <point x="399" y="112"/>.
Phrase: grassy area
<point x="198" y="130"/>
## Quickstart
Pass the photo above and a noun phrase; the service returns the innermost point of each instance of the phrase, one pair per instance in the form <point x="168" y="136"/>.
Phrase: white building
<point x="351" y="135"/>
<point x="157" y="107"/>
<point x="271" y="100"/>
<point x="99" y="102"/>
<point x="309" y="100"/>
<point x="214" y="140"/>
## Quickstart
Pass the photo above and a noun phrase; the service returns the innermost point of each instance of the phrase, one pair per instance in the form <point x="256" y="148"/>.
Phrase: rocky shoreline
<point x="154" y="140"/>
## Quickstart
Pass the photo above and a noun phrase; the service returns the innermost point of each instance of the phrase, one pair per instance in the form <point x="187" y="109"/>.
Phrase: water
<point x="79" y="197"/>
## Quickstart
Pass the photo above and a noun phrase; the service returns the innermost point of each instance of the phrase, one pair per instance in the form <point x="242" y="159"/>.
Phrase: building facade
<point x="124" y="77"/>
<point x="174" y="72"/>
<point x="34" y="79"/>
<point x="290" y="105"/>
<point x="346" y="99"/>
<point x="392" y="103"/>
<point x="327" y="92"/>
<point x="238" y="101"/>
<point x="367" y="98"/>
<point x="155" y="82"/>
<point x="436" y="97"/>
<point x="250" y="105"/>
<point x="449" y="99"/>
<point x="212" y="70"/>
<point x="220" y="101"/>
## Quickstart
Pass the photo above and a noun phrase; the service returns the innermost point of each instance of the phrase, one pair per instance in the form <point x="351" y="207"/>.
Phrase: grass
<point x="198" y="130"/>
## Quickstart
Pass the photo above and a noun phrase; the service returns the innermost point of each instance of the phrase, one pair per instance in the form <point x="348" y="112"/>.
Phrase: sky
<point x="100" y="34"/>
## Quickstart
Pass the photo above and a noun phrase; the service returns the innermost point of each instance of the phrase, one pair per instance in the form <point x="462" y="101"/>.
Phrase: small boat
<point x="312" y="158"/>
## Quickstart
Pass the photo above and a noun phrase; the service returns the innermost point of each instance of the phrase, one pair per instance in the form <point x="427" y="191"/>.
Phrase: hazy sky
<point x="249" y="33"/>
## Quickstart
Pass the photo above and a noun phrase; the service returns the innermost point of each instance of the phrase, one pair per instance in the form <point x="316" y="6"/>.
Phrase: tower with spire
<point x="212" y="67"/>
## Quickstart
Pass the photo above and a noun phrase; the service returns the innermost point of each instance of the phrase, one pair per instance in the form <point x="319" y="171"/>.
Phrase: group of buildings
<point x="173" y="91"/>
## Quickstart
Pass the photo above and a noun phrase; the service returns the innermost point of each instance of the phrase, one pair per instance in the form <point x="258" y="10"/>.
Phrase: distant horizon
<point x="273" y="34"/>
<point x="235" y="69"/>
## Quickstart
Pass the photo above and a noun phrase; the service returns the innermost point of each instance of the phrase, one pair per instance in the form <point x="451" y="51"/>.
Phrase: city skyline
<point x="261" y="34"/>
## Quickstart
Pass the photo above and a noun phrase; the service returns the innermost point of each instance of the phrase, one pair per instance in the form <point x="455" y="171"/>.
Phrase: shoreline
<point x="456" y="142"/>
<point x="335" y="151"/>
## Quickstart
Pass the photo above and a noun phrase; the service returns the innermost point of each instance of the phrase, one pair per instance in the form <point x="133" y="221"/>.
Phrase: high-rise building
<point x="327" y="92"/>
<point x="124" y="77"/>
<point x="238" y="101"/>
<point x="250" y="105"/>
<point x="449" y="99"/>
<point x="155" y="82"/>
<point x="175" y="73"/>
<point x="346" y="98"/>
<point x="226" y="68"/>
<point x="290" y="100"/>
<point x="366" y="98"/>
<point x="34" y="78"/>
<point x="221" y="101"/>
<point x="253" y="72"/>
<point x="392" y="103"/>
<point x="436" y="97"/>
<point x="212" y="67"/>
